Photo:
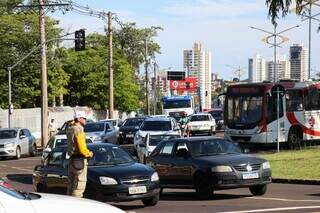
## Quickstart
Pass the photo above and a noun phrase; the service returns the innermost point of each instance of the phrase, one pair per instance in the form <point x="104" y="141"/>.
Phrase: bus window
<point x="294" y="99"/>
<point x="272" y="108"/>
<point x="312" y="99"/>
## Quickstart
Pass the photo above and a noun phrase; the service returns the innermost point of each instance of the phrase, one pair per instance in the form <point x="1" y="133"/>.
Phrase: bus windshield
<point x="244" y="110"/>
<point x="172" y="104"/>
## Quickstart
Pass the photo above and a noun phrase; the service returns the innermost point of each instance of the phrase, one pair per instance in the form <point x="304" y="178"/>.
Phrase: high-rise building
<point x="282" y="67"/>
<point x="250" y="70"/>
<point x="197" y="63"/>
<point x="257" y="69"/>
<point x="299" y="63"/>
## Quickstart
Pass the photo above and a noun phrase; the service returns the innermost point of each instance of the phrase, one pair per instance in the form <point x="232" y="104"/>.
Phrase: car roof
<point x="202" y="113"/>
<point x="158" y="119"/>
<point x="14" y="128"/>
<point x="91" y="145"/>
<point x="201" y="138"/>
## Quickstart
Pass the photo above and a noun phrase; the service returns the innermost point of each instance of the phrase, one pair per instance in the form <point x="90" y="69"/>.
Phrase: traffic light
<point x="80" y="40"/>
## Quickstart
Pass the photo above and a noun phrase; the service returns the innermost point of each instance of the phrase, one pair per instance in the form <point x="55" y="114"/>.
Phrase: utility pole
<point x="44" y="77"/>
<point x="110" y="68"/>
<point x="147" y="77"/>
<point x="275" y="73"/>
<point x="9" y="98"/>
<point x="155" y="89"/>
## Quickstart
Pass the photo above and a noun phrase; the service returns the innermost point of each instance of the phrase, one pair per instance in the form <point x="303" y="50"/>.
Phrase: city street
<point x="279" y="198"/>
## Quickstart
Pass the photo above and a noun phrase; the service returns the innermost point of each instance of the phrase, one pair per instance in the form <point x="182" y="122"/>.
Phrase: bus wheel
<point x="294" y="139"/>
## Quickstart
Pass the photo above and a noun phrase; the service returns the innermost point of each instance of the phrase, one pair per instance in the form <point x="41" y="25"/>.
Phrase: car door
<point x="55" y="172"/>
<point x="109" y="133"/>
<point x="162" y="162"/>
<point x="181" y="167"/>
<point x="29" y="139"/>
<point x="23" y="141"/>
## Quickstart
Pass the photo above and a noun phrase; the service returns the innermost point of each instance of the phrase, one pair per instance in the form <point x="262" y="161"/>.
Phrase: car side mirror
<point x="183" y="153"/>
<point x="22" y="136"/>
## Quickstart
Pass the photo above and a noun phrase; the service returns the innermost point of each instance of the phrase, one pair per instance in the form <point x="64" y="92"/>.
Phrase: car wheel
<point x="33" y="151"/>
<point x="203" y="187"/>
<point x="258" y="190"/>
<point x="161" y="192"/>
<point x="40" y="188"/>
<point x="151" y="201"/>
<point x="18" y="153"/>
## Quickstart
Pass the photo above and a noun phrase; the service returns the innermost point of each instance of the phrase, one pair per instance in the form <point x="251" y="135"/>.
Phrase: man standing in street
<point x="78" y="152"/>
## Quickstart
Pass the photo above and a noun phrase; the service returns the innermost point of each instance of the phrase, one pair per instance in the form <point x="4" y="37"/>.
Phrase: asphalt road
<point x="279" y="197"/>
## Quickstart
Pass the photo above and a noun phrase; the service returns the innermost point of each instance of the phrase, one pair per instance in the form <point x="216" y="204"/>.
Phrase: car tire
<point x="33" y="151"/>
<point x="151" y="201"/>
<point x="258" y="190"/>
<point x="203" y="187"/>
<point x="18" y="153"/>
<point x="40" y="188"/>
<point x="161" y="192"/>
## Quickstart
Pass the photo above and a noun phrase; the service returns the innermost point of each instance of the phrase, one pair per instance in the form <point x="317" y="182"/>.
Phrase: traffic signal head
<point x="80" y="40"/>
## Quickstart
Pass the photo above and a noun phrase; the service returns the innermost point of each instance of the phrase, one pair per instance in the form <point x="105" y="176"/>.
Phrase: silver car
<point x="102" y="131"/>
<point x="15" y="142"/>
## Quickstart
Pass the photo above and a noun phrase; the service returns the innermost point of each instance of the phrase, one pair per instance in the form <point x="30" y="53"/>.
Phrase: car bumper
<point x="120" y="193"/>
<point x="8" y="152"/>
<point x="235" y="180"/>
<point x="128" y="138"/>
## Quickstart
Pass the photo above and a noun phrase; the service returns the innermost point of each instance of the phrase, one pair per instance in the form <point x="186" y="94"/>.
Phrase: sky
<point x="222" y="26"/>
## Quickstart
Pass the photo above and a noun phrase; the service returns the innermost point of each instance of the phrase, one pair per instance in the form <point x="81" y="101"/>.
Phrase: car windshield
<point x="9" y="190"/>
<point x="199" y="118"/>
<point x="94" y="127"/>
<point x="5" y="134"/>
<point x="172" y="104"/>
<point x="156" y="126"/>
<point x="109" y="155"/>
<point x="133" y="122"/>
<point x="213" y="147"/>
<point x="216" y="114"/>
<point x="156" y="139"/>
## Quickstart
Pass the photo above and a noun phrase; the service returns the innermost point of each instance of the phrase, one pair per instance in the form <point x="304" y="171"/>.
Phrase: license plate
<point x="137" y="190"/>
<point x="250" y="175"/>
<point x="129" y="135"/>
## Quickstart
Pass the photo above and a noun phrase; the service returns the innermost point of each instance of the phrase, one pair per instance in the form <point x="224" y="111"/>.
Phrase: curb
<point x="296" y="181"/>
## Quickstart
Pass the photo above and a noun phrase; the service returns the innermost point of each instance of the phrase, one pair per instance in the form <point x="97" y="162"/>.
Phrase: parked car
<point x="202" y="123"/>
<point x="113" y="175"/>
<point x="208" y="164"/>
<point x="15" y="142"/>
<point x="13" y="201"/>
<point x="129" y="128"/>
<point x="217" y="114"/>
<point x="116" y="123"/>
<point x="57" y="141"/>
<point x="156" y="126"/>
<point x="63" y="129"/>
<point x="150" y="143"/>
<point x="102" y="131"/>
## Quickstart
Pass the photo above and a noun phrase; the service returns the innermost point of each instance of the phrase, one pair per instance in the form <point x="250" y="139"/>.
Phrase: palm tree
<point x="277" y="7"/>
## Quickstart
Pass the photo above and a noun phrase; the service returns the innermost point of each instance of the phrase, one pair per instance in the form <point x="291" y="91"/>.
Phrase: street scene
<point x="159" y="106"/>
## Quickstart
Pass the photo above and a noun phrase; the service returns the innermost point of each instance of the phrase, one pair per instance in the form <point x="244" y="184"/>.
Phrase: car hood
<point x="120" y="171"/>
<point x="230" y="159"/>
<point x="144" y="133"/>
<point x="7" y="140"/>
<point x="61" y="203"/>
<point x="94" y="134"/>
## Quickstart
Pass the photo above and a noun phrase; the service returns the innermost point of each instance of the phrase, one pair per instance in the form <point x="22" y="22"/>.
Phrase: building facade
<point x="299" y="63"/>
<point x="197" y="63"/>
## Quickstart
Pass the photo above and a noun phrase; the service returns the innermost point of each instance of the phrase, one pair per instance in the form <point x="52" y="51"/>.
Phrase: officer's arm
<point x="82" y="146"/>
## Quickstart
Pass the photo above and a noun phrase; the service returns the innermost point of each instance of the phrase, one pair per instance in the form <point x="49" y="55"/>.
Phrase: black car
<point x="113" y="175"/>
<point x="208" y="164"/>
<point x="217" y="114"/>
<point x="128" y="129"/>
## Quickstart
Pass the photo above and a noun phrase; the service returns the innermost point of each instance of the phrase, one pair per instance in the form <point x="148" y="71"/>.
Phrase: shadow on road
<point x="126" y="207"/>
<point x="315" y="195"/>
<point x="20" y="178"/>
<point x="191" y="196"/>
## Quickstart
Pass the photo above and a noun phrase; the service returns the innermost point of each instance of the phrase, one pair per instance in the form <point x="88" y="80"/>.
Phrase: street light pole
<point x="275" y="73"/>
<point x="9" y="98"/>
<point x="110" y="68"/>
<point x="147" y="78"/>
<point x="309" y="56"/>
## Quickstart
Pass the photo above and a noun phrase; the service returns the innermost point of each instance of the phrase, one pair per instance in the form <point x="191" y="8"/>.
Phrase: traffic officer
<point x="79" y="153"/>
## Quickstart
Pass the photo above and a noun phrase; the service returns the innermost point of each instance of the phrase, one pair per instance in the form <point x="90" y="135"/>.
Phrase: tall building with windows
<point x="257" y="69"/>
<point x="282" y="68"/>
<point x="197" y="63"/>
<point x="299" y="63"/>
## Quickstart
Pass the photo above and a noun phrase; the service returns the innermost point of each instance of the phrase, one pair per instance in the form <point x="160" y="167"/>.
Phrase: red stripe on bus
<point x="293" y="120"/>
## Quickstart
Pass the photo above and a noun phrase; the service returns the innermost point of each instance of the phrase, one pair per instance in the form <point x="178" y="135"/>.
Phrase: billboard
<point x="188" y="84"/>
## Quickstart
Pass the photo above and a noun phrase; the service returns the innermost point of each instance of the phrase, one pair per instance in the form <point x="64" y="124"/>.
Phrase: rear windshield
<point x="199" y="118"/>
<point x="4" y="134"/>
<point x="156" y="126"/>
<point x="94" y="127"/>
<point x="133" y="122"/>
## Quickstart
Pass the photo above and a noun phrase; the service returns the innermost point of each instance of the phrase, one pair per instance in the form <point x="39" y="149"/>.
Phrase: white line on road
<point x="282" y="199"/>
<point x="275" y="209"/>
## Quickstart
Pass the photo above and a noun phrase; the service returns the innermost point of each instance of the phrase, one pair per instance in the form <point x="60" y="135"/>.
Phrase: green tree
<point x="277" y="7"/>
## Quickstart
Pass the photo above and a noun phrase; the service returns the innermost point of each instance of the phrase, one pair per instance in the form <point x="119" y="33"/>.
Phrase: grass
<point x="302" y="164"/>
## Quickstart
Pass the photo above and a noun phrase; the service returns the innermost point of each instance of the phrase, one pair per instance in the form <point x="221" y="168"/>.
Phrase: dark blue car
<point x="113" y="175"/>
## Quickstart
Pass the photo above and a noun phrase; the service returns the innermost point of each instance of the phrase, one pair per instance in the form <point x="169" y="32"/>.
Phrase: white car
<point x="12" y="201"/>
<point x="15" y="142"/>
<point x="202" y="123"/>
<point x="56" y="141"/>
<point x="156" y="126"/>
<point x="150" y="143"/>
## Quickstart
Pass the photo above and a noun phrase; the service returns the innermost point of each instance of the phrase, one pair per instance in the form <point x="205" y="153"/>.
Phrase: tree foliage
<point x="277" y="7"/>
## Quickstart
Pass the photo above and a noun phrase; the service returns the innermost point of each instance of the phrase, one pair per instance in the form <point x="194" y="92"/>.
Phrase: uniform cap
<point x="80" y="114"/>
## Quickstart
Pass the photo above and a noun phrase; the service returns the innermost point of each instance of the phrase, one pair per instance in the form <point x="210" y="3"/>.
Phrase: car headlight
<point x="221" y="169"/>
<point x="107" y="181"/>
<point x="154" y="177"/>
<point x="9" y="145"/>
<point x="266" y="165"/>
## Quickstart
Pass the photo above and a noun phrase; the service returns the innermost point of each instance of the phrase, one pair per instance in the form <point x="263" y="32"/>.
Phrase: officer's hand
<point x="91" y="154"/>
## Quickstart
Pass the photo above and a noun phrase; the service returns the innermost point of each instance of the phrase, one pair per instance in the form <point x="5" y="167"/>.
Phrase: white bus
<point x="176" y="105"/>
<point x="251" y="112"/>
